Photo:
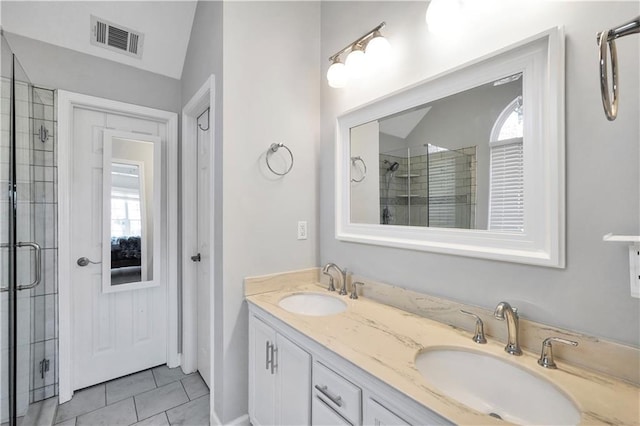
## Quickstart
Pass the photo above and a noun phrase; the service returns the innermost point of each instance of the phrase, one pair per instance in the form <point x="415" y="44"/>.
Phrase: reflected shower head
<point x="392" y="166"/>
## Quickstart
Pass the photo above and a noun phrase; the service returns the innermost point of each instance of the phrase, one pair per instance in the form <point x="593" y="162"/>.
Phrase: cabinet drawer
<point x="337" y="392"/>
<point x="323" y="415"/>
<point x="378" y="415"/>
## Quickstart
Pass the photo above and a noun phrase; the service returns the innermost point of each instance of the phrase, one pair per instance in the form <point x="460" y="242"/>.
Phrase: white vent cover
<point x="116" y="37"/>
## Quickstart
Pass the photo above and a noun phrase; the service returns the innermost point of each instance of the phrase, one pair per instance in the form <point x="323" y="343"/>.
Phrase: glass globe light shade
<point x="442" y="15"/>
<point x="337" y="75"/>
<point x="355" y="63"/>
<point x="378" y="49"/>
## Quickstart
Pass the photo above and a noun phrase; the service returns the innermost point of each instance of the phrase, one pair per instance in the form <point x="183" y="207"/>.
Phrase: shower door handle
<point x="3" y="289"/>
<point x="38" y="277"/>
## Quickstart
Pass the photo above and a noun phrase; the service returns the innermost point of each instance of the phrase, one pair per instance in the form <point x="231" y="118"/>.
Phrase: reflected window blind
<point x="442" y="191"/>
<point x="506" y="199"/>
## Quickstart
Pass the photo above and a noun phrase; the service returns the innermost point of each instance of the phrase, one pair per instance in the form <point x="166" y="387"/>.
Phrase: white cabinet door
<point x="377" y="415"/>
<point x="262" y="385"/>
<point x="293" y="382"/>
<point x="323" y="415"/>
<point x="279" y="378"/>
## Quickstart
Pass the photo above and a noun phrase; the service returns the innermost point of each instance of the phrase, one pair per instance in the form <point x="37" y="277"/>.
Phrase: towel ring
<point x="610" y="108"/>
<point x="274" y="148"/>
<point x="364" y="172"/>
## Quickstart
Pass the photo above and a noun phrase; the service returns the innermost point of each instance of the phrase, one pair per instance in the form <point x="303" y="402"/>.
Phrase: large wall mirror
<point x="131" y="211"/>
<point x="470" y="162"/>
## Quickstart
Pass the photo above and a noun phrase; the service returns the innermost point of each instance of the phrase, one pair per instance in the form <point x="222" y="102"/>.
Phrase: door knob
<point x="84" y="261"/>
<point x="196" y="258"/>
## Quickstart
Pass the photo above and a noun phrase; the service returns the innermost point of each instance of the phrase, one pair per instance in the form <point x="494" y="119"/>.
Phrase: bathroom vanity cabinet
<point x="279" y="378"/>
<point x="295" y="380"/>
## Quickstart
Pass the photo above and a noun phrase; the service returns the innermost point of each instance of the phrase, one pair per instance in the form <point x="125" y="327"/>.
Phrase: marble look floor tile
<point x="84" y="401"/>
<point x="131" y="385"/>
<point x="164" y="375"/>
<point x="70" y="422"/>
<point x="194" y="413"/>
<point x="195" y="386"/>
<point x="160" y="399"/>
<point x="157" y="420"/>
<point x="121" y="413"/>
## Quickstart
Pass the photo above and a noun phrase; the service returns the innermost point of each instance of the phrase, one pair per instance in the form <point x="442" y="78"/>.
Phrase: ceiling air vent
<point x="116" y="37"/>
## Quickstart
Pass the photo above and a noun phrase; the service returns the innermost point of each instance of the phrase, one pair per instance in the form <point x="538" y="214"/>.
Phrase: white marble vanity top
<point x="384" y="341"/>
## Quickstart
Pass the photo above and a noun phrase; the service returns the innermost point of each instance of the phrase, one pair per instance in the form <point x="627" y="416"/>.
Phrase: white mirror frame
<point x="107" y="159"/>
<point x="541" y="58"/>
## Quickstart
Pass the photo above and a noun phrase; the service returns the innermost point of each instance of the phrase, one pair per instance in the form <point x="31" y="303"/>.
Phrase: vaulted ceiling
<point x="166" y="26"/>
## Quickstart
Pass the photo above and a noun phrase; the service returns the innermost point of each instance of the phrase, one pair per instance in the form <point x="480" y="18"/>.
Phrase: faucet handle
<point x="546" y="356"/>
<point x="354" y="289"/>
<point x="478" y="337"/>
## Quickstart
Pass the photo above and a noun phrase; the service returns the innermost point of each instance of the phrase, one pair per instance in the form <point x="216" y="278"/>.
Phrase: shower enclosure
<point x="27" y="314"/>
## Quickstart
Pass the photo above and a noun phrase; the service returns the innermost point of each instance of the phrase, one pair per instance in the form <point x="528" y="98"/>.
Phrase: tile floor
<point x="156" y="397"/>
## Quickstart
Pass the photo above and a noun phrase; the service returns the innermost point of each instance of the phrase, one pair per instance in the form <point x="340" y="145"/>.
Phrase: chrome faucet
<point x="505" y="311"/>
<point x="343" y="275"/>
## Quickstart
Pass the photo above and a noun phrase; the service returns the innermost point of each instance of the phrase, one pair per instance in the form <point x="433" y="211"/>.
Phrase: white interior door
<point x="204" y="265"/>
<point x="121" y="332"/>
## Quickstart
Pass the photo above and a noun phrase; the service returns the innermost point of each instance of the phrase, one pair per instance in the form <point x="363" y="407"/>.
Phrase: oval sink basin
<point x="312" y="304"/>
<point x="496" y="387"/>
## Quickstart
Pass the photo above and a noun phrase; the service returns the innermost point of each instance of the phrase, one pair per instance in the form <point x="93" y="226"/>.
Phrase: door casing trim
<point x="67" y="102"/>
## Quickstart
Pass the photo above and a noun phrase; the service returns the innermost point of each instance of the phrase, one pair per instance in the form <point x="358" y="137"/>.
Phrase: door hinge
<point x="44" y="367"/>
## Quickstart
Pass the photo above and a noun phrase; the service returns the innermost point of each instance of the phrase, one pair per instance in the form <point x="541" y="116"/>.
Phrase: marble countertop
<point x="384" y="341"/>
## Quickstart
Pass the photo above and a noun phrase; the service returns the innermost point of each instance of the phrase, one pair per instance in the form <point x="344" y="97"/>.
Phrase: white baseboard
<point x="239" y="421"/>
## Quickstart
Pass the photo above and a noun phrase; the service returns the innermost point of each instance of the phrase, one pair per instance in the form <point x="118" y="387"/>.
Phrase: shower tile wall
<point x="44" y="298"/>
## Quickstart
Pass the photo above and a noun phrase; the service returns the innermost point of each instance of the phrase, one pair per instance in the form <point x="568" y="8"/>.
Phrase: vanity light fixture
<point x="371" y="48"/>
<point x="442" y="15"/>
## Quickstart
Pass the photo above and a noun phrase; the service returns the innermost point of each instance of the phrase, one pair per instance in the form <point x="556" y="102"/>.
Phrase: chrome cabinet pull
<point x="336" y="399"/>
<point x="267" y="355"/>
<point x="274" y="364"/>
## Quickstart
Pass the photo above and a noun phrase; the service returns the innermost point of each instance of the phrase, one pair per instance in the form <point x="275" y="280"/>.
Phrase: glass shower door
<point x="20" y="256"/>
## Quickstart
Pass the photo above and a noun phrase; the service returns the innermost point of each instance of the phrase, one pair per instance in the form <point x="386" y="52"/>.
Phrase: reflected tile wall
<point x="44" y="298"/>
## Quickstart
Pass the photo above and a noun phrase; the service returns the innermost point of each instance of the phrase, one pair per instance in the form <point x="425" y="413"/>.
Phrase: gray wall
<point x="271" y="94"/>
<point x="204" y="57"/>
<point x="60" y="68"/>
<point x="592" y="294"/>
<point x="270" y="52"/>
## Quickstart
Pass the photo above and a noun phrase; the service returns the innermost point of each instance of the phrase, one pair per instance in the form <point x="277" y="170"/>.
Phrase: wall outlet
<point x="302" y="230"/>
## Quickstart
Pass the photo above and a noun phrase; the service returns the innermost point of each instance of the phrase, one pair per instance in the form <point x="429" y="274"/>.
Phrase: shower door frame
<point x="67" y="102"/>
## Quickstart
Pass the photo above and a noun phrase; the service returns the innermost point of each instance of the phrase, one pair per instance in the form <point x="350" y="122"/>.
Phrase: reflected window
<point x="506" y="199"/>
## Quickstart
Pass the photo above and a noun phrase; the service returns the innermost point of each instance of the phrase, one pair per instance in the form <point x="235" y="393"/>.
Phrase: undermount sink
<point x="496" y="387"/>
<point x="312" y="304"/>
